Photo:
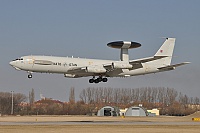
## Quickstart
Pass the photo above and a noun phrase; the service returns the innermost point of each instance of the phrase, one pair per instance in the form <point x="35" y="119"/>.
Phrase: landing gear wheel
<point x="91" y="81"/>
<point x="30" y="76"/>
<point x="104" y="79"/>
<point x="96" y="80"/>
<point x="99" y="79"/>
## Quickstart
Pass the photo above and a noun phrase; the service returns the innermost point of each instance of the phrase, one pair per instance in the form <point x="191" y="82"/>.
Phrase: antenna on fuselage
<point x="124" y="46"/>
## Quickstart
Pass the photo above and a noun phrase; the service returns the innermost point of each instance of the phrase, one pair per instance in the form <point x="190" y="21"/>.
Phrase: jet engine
<point x="95" y="69"/>
<point x="121" y="65"/>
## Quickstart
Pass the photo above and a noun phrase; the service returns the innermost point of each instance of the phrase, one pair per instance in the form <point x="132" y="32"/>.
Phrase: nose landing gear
<point x="99" y="79"/>
<point x="30" y="75"/>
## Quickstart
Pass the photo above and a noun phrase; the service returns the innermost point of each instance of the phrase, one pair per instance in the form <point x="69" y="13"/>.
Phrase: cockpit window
<point x="18" y="59"/>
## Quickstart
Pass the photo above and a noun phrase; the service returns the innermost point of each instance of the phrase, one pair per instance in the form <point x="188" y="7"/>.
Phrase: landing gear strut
<point x="99" y="79"/>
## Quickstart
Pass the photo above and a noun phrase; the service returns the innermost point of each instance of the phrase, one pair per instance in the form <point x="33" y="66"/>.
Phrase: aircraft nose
<point x="11" y="63"/>
<point x="14" y="64"/>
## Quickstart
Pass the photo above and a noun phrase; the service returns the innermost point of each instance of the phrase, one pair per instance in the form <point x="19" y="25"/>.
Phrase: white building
<point x="154" y="111"/>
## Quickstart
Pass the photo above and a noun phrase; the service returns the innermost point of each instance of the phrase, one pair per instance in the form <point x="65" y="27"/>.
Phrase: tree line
<point x="166" y="96"/>
<point x="167" y="100"/>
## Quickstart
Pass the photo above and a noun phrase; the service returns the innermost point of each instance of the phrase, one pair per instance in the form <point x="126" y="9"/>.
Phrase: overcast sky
<point x="83" y="28"/>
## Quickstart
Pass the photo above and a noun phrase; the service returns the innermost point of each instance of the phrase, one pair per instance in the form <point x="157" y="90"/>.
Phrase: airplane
<point x="80" y="67"/>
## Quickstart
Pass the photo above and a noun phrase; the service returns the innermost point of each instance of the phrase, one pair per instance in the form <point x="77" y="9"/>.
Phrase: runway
<point x="99" y="123"/>
<point x="82" y="124"/>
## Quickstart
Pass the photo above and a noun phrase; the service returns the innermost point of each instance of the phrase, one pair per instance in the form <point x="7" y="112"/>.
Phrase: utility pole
<point x="12" y="103"/>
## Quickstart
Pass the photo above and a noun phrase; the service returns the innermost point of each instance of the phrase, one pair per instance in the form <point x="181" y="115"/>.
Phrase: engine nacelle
<point x="121" y="65"/>
<point x="70" y="75"/>
<point x="95" y="69"/>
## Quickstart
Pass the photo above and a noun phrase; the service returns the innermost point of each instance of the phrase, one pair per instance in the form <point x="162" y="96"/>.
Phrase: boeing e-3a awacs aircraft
<point x="80" y="67"/>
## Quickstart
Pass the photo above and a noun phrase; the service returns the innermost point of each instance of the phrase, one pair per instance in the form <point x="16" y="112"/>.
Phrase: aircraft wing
<point x="143" y="60"/>
<point x="172" y="67"/>
<point x="77" y="72"/>
<point x="93" y="69"/>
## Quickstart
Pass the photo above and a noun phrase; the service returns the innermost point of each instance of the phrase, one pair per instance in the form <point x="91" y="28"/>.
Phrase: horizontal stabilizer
<point x="172" y="67"/>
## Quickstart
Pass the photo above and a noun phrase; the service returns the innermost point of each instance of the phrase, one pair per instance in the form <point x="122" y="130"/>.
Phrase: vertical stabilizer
<point x="166" y="50"/>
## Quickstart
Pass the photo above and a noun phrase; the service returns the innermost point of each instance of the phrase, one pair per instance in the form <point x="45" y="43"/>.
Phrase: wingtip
<point x="186" y="62"/>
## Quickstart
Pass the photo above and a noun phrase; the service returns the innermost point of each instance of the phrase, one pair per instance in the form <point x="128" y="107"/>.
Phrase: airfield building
<point x="136" y="111"/>
<point x="153" y="112"/>
<point x="108" y="111"/>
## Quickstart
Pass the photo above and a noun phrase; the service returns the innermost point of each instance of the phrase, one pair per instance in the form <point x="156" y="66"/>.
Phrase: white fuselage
<point x="64" y="65"/>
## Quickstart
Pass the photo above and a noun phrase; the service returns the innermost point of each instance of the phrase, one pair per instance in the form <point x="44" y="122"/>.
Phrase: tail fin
<point x="166" y="50"/>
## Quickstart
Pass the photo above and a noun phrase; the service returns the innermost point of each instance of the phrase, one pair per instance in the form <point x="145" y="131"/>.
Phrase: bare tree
<point x="154" y="95"/>
<point x="32" y="96"/>
<point x="72" y="95"/>
<point x="116" y="96"/>
<point x="82" y="96"/>
<point x="89" y="95"/>
<point x="171" y="95"/>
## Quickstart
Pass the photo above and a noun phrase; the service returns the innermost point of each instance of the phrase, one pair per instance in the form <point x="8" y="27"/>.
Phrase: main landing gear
<point x="99" y="79"/>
